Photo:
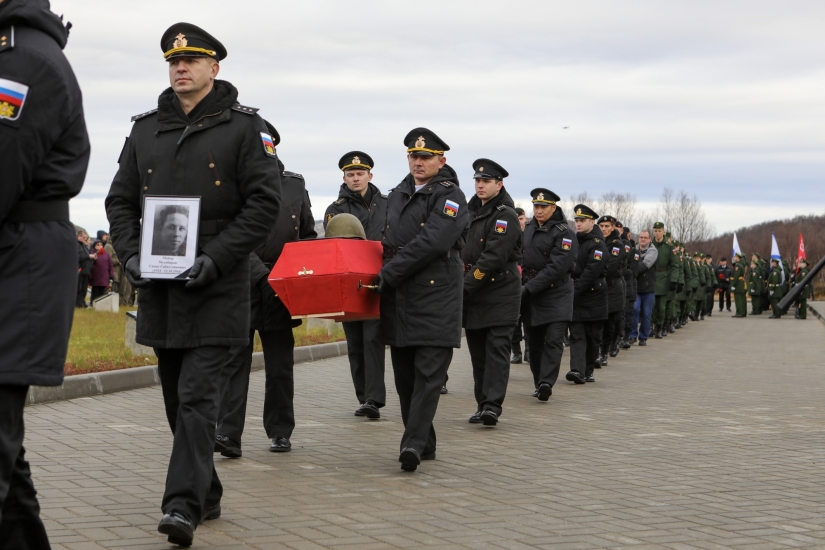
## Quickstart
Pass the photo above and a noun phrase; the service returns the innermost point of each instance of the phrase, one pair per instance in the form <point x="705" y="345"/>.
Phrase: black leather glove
<point x="679" y="287"/>
<point x="380" y="284"/>
<point x="673" y="286"/>
<point x="132" y="271"/>
<point x="204" y="272"/>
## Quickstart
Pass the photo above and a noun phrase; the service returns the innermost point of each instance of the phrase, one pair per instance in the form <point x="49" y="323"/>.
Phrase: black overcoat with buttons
<point x="492" y="285"/>
<point x="371" y="209"/>
<point x="590" y="287"/>
<point x="422" y="266"/>
<point x="630" y="271"/>
<point x="221" y="158"/>
<point x="549" y="251"/>
<point x="295" y="222"/>
<point x="614" y="271"/>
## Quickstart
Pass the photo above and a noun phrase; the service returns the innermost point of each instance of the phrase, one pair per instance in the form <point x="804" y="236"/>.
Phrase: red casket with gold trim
<point x="324" y="278"/>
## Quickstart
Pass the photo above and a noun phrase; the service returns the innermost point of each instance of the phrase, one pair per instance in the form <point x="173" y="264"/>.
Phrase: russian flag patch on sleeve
<point x="616" y="250"/>
<point x="501" y="226"/>
<point x="269" y="145"/>
<point x="566" y="244"/>
<point x="597" y="254"/>
<point x="12" y="96"/>
<point x="451" y="208"/>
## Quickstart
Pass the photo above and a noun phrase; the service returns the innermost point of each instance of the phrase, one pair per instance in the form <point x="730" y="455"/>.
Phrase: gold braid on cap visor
<point x="544" y="202"/>
<point x="364" y="166"/>
<point x="433" y="151"/>
<point x="190" y="49"/>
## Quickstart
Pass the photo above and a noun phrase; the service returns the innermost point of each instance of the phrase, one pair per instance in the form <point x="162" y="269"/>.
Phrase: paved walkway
<point x="711" y="438"/>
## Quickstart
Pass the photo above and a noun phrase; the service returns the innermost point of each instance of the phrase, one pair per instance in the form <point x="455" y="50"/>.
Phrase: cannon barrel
<point x="800" y="286"/>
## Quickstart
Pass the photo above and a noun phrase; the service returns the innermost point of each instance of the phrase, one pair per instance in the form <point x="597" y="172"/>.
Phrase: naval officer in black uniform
<point x="361" y="198"/>
<point x="549" y="259"/>
<point x="199" y="142"/>
<point x="492" y="289"/>
<point x="589" y="296"/>
<point x="421" y="286"/>
<point x="44" y="152"/>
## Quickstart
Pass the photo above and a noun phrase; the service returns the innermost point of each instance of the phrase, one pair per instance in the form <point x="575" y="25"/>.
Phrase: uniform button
<point x="422" y="225"/>
<point x="296" y="229"/>
<point x="388" y="225"/>
<point x="211" y="165"/>
<point x="200" y="125"/>
<point x="150" y="170"/>
<point x="493" y="279"/>
<point x="432" y="282"/>
<point x="482" y="240"/>
<point x="293" y="215"/>
<point x="145" y="188"/>
<point x="218" y="182"/>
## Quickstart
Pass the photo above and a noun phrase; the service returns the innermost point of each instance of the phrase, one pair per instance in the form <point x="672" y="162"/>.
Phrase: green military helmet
<point x="345" y="226"/>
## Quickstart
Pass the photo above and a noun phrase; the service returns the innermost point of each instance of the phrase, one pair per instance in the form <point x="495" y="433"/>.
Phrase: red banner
<point x="800" y="254"/>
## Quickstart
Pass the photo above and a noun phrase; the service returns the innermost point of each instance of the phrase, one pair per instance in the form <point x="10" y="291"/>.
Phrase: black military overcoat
<point x="222" y="158"/>
<point x="614" y="271"/>
<point x="630" y="271"/>
<point x="492" y="285"/>
<point x="44" y="152"/>
<point x="295" y="222"/>
<point x="590" y="287"/>
<point x="424" y="233"/>
<point x="371" y="209"/>
<point x="549" y="259"/>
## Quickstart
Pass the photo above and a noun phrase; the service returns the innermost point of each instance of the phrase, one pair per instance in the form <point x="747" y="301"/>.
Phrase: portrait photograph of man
<point x="171" y="229"/>
<point x="169" y="236"/>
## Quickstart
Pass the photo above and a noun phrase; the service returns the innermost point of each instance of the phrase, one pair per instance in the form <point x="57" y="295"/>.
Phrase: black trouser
<point x="709" y="301"/>
<point x="366" y="361"/>
<point x="191" y="383"/>
<point x="82" y="287"/>
<point x="279" y="359"/>
<point x="490" y="355"/>
<point x="518" y="336"/>
<point x="420" y="372"/>
<point x="97" y="292"/>
<point x="547" y="341"/>
<point x="628" y="317"/>
<point x="20" y="524"/>
<point x="724" y="298"/>
<point x="611" y="329"/>
<point x="584" y="345"/>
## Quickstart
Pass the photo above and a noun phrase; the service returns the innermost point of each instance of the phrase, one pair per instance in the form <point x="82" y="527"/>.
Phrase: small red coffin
<point x="320" y="278"/>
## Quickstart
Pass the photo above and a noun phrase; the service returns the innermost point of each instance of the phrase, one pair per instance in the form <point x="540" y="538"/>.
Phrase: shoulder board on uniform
<point x="562" y="226"/>
<point x="6" y="38"/>
<point x="244" y="109"/>
<point x="143" y="115"/>
<point x="383" y="196"/>
<point x="501" y="207"/>
<point x="292" y="175"/>
<point x="596" y="239"/>
<point x="446" y="183"/>
<point x="340" y="201"/>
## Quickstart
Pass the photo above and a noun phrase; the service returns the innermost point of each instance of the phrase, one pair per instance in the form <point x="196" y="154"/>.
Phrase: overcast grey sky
<point x="723" y="99"/>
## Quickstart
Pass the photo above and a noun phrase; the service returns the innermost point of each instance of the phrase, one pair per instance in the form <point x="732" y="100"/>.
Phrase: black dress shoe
<point x="409" y="459"/>
<point x="526" y="356"/>
<point x="359" y="411"/>
<point x="211" y="512"/>
<point x="280" y="445"/>
<point x="726" y="309"/>
<point x="178" y="529"/>
<point x="444" y="390"/>
<point x="476" y="418"/>
<point x="545" y="391"/>
<point x="589" y="378"/>
<point x="489" y="418"/>
<point x="227" y="447"/>
<point x="626" y="343"/>
<point x="632" y="342"/>
<point x="642" y="342"/>
<point x="369" y="410"/>
<point x="602" y="359"/>
<point x="575" y="377"/>
<point x="773" y="317"/>
<point x="516" y="359"/>
<point x="536" y="392"/>
<point x="614" y="351"/>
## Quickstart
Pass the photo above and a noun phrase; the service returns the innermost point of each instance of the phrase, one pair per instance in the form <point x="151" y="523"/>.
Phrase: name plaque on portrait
<point x="168" y="236"/>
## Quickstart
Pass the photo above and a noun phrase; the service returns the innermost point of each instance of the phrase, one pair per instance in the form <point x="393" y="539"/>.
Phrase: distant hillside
<point x="757" y="238"/>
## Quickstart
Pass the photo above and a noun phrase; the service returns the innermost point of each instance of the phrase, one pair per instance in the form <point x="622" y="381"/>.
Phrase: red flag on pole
<point x="800" y="254"/>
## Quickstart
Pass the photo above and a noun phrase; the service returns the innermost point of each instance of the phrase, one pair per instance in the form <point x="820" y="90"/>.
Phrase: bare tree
<point x="620" y="205"/>
<point x="683" y="216"/>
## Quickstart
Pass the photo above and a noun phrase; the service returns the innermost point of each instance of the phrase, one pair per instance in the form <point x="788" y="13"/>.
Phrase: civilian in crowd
<point x="103" y="272"/>
<point x="645" y="289"/>
<point x="723" y="272"/>
<point x="84" y="267"/>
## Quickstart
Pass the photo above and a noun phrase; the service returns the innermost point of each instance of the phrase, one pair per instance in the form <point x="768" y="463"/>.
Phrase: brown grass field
<point x="97" y="342"/>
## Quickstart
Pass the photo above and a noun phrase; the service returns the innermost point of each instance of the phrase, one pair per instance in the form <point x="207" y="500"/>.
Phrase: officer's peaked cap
<point x="424" y="142"/>
<point x="582" y="211"/>
<point x="488" y="169"/>
<point x="356" y="160"/>
<point x="188" y="40"/>
<point x="544" y="196"/>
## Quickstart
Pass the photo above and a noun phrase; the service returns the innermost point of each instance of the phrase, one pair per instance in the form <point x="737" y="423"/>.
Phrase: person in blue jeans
<point x="646" y="289"/>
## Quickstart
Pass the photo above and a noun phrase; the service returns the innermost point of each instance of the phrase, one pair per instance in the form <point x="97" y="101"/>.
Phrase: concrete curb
<point x="812" y="308"/>
<point x="98" y="383"/>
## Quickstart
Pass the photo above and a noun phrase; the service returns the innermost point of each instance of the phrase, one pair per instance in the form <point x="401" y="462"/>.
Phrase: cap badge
<point x="579" y="212"/>
<point x="480" y="168"/>
<point x="180" y="41"/>
<point x="356" y="160"/>
<point x="540" y="197"/>
<point x="420" y="142"/>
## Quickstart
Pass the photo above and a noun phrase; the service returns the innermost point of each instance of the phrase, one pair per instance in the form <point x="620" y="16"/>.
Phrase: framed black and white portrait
<point x="169" y="236"/>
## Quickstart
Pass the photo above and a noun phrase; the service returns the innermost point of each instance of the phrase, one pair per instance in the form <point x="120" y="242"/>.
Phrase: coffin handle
<point x="362" y="285"/>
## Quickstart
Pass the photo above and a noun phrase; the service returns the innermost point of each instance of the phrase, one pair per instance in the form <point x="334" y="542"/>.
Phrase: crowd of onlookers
<point x="99" y="268"/>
